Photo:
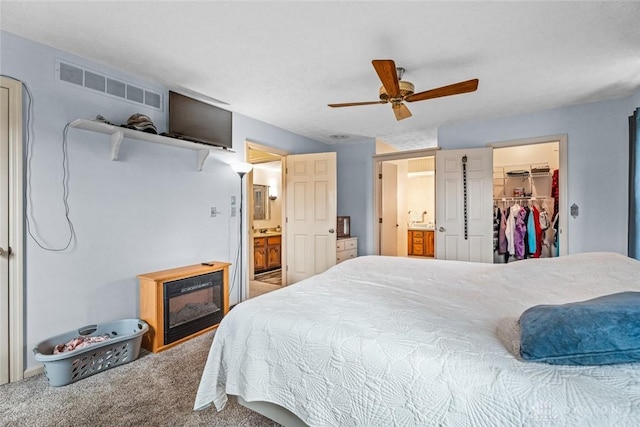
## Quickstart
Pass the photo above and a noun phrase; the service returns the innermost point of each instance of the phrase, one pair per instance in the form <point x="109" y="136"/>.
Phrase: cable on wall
<point x="65" y="175"/>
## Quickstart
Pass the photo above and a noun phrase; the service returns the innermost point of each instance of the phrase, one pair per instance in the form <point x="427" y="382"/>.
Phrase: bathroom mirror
<point x="261" y="209"/>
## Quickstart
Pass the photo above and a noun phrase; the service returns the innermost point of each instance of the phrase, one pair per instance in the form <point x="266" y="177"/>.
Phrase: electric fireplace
<point x="181" y="303"/>
<point x="191" y="304"/>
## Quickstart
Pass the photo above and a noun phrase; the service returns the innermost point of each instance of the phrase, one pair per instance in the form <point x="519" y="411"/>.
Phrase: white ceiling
<point x="283" y="62"/>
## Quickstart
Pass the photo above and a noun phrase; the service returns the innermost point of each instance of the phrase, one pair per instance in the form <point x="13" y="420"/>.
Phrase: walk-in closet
<point x="525" y="202"/>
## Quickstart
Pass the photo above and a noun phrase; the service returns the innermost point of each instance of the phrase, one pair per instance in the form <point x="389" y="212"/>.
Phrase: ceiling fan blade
<point x="353" y="104"/>
<point x="388" y="75"/>
<point x="401" y="111"/>
<point x="454" y="89"/>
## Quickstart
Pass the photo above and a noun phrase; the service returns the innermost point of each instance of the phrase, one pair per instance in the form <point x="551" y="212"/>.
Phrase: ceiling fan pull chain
<point x="464" y="194"/>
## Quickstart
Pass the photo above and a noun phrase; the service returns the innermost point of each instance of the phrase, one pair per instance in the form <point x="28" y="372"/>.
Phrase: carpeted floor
<point x="259" y="288"/>
<point x="265" y="282"/>
<point x="154" y="390"/>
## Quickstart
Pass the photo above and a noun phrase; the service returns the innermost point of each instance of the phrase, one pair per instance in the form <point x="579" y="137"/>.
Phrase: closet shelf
<point x="119" y="133"/>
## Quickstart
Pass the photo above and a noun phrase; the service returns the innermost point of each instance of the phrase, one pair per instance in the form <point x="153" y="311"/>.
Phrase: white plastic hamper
<point x="122" y="347"/>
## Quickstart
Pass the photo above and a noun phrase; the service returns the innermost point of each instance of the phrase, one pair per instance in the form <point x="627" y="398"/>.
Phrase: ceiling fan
<point x="397" y="91"/>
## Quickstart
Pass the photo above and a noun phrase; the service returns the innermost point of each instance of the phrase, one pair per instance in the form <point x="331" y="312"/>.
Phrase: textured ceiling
<point x="282" y="62"/>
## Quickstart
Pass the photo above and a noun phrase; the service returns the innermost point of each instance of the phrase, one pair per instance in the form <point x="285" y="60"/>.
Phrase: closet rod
<point x="510" y="199"/>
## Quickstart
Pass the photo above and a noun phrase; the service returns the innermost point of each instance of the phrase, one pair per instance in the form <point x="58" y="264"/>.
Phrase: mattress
<point x="387" y="341"/>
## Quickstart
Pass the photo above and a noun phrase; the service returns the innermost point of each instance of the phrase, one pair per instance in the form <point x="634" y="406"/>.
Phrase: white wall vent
<point x="107" y="85"/>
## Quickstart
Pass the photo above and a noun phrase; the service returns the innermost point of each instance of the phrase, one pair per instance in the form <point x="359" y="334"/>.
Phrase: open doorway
<point x="265" y="219"/>
<point x="405" y="201"/>
<point x="529" y="181"/>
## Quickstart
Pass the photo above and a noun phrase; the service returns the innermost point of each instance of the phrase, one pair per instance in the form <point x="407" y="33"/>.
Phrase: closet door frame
<point x="13" y="296"/>
<point x="563" y="175"/>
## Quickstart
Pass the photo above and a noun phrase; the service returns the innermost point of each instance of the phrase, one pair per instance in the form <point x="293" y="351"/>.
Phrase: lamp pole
<point x="241" y="169"/>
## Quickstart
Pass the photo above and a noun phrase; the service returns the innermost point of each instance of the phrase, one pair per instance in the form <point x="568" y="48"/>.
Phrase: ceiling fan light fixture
<point x="406" y="89"/>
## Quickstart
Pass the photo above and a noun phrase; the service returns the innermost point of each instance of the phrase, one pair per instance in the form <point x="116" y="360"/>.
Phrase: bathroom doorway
<point x="405" y="203"/>
<point x="265" y="197"/>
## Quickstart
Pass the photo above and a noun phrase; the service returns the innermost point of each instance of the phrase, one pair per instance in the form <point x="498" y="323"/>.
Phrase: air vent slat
<point x="71" y="74"/>
<point x="94" y="81"/>
<point x="107" y="85"/>
<point x="152" y="99"/>
<point x="135" y="94"/>
<point x="116" y="88"/>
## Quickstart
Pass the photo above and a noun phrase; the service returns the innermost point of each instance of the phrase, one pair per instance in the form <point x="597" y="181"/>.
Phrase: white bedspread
<point x="382" y="341"/>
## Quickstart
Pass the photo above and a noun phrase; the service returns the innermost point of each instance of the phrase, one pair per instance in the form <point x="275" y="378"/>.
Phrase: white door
<point x="4" y="235"/>
<point x="460" y="235"/>
<point x="11" y="231"/>
<point x="389" y="210"/>
<point x="311" y="214"/>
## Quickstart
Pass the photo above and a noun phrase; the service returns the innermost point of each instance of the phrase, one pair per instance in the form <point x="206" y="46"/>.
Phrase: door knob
<point x="442" y="229"/>
<point x="331" y="230"/>
<point x="1" y="251"/>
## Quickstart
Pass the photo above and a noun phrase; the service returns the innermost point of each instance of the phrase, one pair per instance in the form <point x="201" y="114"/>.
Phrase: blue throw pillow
<point x="600" y="331"/>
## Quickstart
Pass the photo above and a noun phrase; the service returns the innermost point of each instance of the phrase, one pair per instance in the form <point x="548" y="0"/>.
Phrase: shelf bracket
<point x="202" y="157"/>
<point x="116" y="140"/>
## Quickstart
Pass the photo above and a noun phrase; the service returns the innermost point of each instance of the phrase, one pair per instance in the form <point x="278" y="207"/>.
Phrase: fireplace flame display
<point x="191" y="305"/>
<point x="191" y="311"/>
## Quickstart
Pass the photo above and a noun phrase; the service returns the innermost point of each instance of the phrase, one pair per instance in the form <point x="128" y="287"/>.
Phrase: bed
<point x="386" y="341"/>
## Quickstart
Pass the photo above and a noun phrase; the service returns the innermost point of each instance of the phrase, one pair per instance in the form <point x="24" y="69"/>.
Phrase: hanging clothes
<point x="519" y="233"/>
<point x="502" y="237"/>
<point x="555" y="191"/>
<point x="532" y="244"/>
<point x="545" y="226"/>
<point x="538" y="232"/>
<point x="496" y="227"/>
<point x="511" y="226"/>
<point x="556" y="244"/>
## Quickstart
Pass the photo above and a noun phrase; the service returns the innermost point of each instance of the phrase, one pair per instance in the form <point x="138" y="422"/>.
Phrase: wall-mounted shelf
<point x="119" y="133"/>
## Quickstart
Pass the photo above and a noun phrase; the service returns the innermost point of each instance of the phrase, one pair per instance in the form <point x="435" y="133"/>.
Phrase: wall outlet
<point x="233" y="200"/>
<point x="214" y="212"/>
<point x="233" y="211"/>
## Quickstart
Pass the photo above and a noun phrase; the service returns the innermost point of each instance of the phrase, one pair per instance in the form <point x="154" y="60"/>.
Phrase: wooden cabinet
<point x="267" y="253"/>
<point x="430" y="243"/>
<point x="274" y="259"/>
<point x="346" y="249"/>
<point x="416" y="243"/>
<point x="259" y="254"/>
<point x="421" y="243"/>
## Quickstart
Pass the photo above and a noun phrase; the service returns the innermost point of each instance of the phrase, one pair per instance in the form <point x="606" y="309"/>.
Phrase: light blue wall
<point x="598" y="141"/>
<point x="635" y="100"/>
<point x="147" y="211"/>
<point x="355" y="190"/>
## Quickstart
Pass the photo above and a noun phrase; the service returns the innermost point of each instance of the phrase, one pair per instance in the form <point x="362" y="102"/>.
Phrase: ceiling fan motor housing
<point x="406" y="89"/>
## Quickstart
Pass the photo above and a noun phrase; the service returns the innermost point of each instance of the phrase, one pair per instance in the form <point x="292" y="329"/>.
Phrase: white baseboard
<point x="34" y="370"/>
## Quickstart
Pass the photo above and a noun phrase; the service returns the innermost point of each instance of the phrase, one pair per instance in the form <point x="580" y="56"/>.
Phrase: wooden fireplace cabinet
<point x="152" y="300"/>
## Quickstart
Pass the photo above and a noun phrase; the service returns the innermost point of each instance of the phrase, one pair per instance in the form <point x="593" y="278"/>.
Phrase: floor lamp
<point x="241" y="168"/>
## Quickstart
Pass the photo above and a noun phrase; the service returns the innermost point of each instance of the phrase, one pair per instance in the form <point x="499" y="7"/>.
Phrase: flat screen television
<point x="198" y="121"/>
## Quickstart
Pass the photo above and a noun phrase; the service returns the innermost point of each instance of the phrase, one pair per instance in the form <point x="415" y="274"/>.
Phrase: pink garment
<point x="519" y="234"/>
<point x="78" y="342"/>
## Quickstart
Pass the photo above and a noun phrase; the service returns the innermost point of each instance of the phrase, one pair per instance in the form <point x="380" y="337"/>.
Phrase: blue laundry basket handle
<point x="88" y="330"/>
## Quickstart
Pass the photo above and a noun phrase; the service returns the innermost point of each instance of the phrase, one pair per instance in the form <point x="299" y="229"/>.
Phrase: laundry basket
<point x="123" y="346"/>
